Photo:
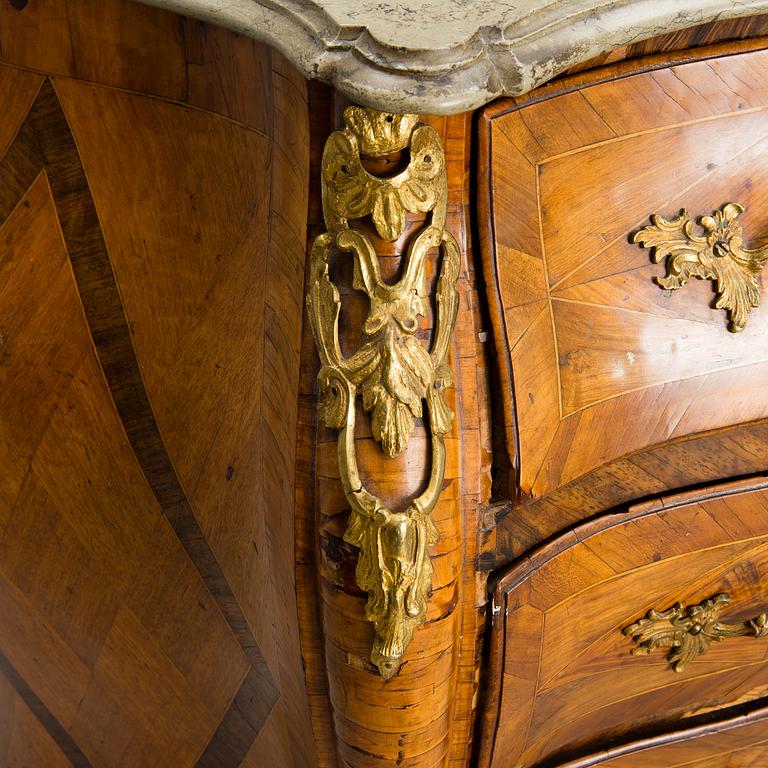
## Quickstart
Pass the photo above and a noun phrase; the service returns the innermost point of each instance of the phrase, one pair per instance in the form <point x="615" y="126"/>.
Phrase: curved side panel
<point x="150" y="310"/>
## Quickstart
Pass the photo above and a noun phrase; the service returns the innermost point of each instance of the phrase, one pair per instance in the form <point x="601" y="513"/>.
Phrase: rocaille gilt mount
<point x="689" y="632"/>
<point x="392" y="371"/>
<point x="719" y="254"/>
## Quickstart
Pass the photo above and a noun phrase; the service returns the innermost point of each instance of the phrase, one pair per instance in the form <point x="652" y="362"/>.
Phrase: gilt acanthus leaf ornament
<point x="689" y="632"/>
<point x="718" y="254"/>
<point x="394" y="373"/>
<point x="353" y="193"/>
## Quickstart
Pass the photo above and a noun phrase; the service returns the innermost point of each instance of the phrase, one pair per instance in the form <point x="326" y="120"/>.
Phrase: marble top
<point x="448" y="56"/>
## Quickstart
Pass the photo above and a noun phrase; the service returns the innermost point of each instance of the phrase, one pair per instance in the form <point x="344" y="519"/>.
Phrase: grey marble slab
<point x="429" y="56"/>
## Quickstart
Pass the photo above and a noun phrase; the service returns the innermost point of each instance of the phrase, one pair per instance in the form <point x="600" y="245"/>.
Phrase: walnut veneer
<point x="566" y="676"/>
<point x="609" y="375"/>
<point x="615" y="390"/>
<point x="150" y="315"/>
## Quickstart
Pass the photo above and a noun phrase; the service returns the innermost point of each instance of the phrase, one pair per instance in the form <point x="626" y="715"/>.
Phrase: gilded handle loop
<point x="689" y="631"/>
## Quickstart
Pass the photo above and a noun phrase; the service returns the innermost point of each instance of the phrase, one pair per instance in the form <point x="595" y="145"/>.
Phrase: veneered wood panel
<point x="599" y="365"/>
<point x="23" y="740"/>
<point x="32" y="276"/>
<point x="567" y="679"/>
<point x="191" y="346"/>
<point x="628" y="178"/>
<point x="84" y="497"/>
<point x="17" y="91"/>
<point x="119" y="43"/>
<point x="37" y="36"/>
<point x="132" y="46"/>
<point x="740" y="741"/>
<point x="126" y="718"/>
<point x="130" y="436"/>
<point x="231" y="74"/>
<point x="607" y="352"/>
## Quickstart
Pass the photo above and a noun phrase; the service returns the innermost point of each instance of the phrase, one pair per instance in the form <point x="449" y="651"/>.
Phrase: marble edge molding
<point x="501" y="58"/>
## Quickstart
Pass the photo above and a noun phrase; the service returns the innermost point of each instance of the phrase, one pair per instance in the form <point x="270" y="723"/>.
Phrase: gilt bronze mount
<point x="719" y="254"/>
<point x="393" y="371"/>
<point x="689" y="631"/>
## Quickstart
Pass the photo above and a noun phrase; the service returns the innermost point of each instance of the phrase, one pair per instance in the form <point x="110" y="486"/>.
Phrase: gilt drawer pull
<point x="719" y="254"/>
<point x="689" y="631"/>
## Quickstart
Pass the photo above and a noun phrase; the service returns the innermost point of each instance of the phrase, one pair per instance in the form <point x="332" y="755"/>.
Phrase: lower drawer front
<point x="567" y="679"/>
<point x="738" y="743"/>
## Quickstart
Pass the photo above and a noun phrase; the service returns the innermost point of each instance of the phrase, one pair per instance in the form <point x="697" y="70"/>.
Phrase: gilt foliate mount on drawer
<point x="719" y="254"/>
<point x="392" y="371"/>
<point x="689" y="631"/>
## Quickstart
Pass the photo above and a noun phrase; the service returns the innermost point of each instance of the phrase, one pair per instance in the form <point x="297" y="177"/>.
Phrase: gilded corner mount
<point x="718" y="254"/>
<point x="689" y="631"/>
<point x="393" y="372"/>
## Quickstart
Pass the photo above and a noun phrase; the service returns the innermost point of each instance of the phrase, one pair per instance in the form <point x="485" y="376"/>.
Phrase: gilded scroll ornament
<point x="689" y="632"/>
<point x="393" y="372"/>
<point x="719" y="254"/>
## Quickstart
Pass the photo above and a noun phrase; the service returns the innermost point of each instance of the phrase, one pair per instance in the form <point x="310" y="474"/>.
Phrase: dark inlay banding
<point x="240" y="726"/>
<point x="55" y="730"/>
<point x="45" y="142"/>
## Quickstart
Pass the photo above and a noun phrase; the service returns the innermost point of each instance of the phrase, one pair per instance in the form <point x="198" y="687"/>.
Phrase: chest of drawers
<point x="334" y="436"/>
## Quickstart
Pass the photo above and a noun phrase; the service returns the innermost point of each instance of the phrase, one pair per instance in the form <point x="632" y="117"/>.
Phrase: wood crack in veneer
<point x="45" y="143"/>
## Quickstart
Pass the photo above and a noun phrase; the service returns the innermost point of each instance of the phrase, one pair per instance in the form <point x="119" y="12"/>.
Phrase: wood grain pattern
<point x="729" y="452"/>
<point x="153" y="199"/>
<point x="323" y="122"/>
<point x="425" y="715"/>
<point x="29" y="734"/>
<point x="131" y="46"/>
<point x="567" y="680"/>
<point x="737" y="741"/>
<point x="585" y="339"/>
<point x="690" y="41"/>
<point x="146" y="542"/>
<point x="71" y="621"/>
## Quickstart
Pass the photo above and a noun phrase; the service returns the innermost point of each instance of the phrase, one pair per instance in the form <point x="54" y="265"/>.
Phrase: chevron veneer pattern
<point x="143" y="584"/>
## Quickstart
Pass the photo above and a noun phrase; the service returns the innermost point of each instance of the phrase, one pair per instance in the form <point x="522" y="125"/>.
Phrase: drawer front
<point x="564" y="677"/>
<point x="741" y="741"/>
<point x="601" y="361"/>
